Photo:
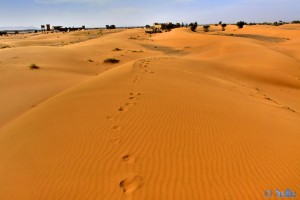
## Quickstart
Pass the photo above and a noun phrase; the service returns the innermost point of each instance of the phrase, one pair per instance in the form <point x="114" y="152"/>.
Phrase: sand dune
<point x="183" y="116"/>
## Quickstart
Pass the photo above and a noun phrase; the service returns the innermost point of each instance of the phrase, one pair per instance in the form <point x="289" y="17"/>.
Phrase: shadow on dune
<point x="289" y="28"/>
<point x="165" y="50"/>
<point x="257" y="37"/>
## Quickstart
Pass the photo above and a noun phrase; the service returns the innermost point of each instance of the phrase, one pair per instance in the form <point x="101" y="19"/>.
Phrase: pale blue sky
<point x="136" y="12"/>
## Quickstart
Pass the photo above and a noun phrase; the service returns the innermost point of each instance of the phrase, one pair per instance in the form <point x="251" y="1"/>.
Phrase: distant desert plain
<point x="183" y="116"/>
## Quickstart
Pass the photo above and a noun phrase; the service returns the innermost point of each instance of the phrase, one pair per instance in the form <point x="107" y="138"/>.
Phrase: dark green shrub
<point x="193" y="26"/>
<point x="3" y="33"/>
<point x="5" y="47"/>
<point x="34" y="66"/>
<point x="110" y="27"/>
<point x="240" y="24"/>
<point x="223" y="27"/>
<point x="206" y="28"/>
<point x="252" y="23"/>
<point x="111" y="60"/>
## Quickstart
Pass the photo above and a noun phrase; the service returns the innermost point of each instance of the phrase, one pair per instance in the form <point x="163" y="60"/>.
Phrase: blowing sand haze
<point x="179" y="115"/>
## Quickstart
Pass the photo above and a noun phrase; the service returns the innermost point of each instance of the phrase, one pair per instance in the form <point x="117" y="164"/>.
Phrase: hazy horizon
<point x="98" y="13"/>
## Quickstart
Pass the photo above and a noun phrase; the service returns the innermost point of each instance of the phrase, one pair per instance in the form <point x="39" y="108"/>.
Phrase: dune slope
<point x="186" y="120"/>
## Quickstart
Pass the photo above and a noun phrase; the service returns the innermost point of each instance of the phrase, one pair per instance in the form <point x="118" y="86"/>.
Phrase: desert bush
<point x="206" y="28"/>
<point x="252" y="23"/>
<point x="5" y="47"/>
<point x="110" y="27"/>
<point x="111" y="60"/>
<point x="147" y="26"/>
<point x="278" y="23"/>
<point x="193" y="26"/>
<point x="223" y="27"/>
<point x="117" y="49"/>
<point x="296" y="22"/>
<point x="266" y="23"/>
<point x="168" y="26"/>
<point x="240" y="24"/>
<point x="3" y="33"/>
<point x="34" y="66"/>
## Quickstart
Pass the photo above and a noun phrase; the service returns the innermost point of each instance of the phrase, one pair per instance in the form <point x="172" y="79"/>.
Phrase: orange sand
<point x="184" y="115"/>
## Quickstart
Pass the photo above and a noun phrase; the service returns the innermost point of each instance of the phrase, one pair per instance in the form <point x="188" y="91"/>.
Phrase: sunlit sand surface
<point x="183" y="115"/>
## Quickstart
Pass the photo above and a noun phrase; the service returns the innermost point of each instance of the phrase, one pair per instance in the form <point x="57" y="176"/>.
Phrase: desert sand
<point x="184" y="115"/>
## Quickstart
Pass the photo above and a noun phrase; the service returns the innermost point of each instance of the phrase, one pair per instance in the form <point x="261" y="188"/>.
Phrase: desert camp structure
<point x="60" y="28"/>
<point x="67" y="29"/>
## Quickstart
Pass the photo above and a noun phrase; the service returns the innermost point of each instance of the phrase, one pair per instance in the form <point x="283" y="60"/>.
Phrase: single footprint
<point x="128" y="158"/>
<point x="121" y="109"/>
<point x="131" y="184"/>
<point x="110" y="117"/>
<point x="117" y="128"/>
